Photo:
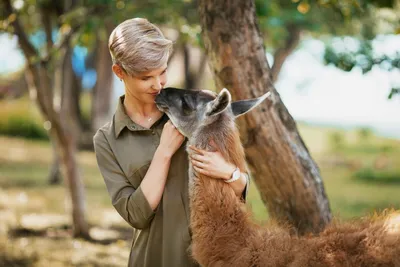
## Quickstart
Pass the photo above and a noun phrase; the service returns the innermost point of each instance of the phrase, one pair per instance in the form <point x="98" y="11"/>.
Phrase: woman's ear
<point x="118" y="71"/>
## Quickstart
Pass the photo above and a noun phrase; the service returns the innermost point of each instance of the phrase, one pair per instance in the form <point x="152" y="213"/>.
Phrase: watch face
<point x="236" y="173"/>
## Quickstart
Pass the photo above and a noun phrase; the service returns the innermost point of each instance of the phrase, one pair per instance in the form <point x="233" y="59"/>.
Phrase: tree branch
<point x="61" y="43"/>
<point x="66" y="37"/>
<point x="282" y="53"/>
<point x="46" y="20"/>
<point x="29" y="50"/>
<point x="26" y="46"/>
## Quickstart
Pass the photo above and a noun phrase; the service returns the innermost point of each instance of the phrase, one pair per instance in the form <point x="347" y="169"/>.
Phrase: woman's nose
<point x="158" y="84"/>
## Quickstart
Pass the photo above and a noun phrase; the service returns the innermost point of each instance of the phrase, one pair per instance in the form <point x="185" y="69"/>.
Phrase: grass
<point x="342" y="168"/>
<point x="359" y="177"/>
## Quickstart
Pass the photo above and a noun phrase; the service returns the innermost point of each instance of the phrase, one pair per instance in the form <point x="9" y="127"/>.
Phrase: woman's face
<point x="146" y="86"/>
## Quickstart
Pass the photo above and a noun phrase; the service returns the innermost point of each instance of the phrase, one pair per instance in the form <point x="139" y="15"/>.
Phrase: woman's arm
<point x="137" y="205"/>
<point x="214" y="165"/>
<point x="154" y="181"/>
<point x="128" y="201"/>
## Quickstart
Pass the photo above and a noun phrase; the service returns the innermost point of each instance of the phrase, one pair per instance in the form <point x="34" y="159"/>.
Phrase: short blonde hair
<point x="137" y="45"/>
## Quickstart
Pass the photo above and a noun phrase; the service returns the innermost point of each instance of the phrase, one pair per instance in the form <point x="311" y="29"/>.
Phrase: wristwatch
<point x="235" y="176"/>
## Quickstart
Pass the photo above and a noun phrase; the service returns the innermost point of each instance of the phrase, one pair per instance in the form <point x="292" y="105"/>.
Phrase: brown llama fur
<point x="225" y="235"/>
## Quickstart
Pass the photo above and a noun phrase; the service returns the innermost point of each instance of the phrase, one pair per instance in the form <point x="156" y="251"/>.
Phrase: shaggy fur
<point x="224" y="234"/>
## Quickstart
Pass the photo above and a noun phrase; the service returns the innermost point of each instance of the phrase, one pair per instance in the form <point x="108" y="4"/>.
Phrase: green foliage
<point x="375" y="17"/>
<point x="393" y="92"/>
<point x="17" y="119"/>
<point x="384" y="3"/>
<point x="317" y="17"/>
<point x="15" y="125"/>
<point x="371" y="175"/>
<point x="346" y="58"/>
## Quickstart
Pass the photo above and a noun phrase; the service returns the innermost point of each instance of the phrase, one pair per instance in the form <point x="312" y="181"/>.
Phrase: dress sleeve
<point x="130" y="202"/>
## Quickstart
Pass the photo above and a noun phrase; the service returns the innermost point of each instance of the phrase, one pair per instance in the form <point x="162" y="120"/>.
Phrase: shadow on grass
<point x="11" y="257"/>
<point x="16" y="260"/>
<point x="65" y="231"/>
<point x="23" y="184"/>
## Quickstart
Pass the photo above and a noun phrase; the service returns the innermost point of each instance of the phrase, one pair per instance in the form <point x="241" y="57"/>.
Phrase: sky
<point x="312" y="92"/>
<point x="316" y="93"/>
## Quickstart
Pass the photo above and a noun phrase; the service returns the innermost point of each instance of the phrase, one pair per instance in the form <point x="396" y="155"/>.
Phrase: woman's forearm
<point x="154" y="181"/>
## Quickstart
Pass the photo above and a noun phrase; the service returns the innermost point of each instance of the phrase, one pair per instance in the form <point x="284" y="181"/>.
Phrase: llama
<point x="223" y="232"/>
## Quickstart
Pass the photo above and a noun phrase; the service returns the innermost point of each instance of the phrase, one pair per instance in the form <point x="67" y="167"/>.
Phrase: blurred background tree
<point x="356" y="48"/>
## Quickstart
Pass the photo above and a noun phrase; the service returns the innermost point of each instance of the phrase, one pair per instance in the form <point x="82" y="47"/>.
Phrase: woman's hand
<point x="211" y="164"/>
<point x="171" y="139"/>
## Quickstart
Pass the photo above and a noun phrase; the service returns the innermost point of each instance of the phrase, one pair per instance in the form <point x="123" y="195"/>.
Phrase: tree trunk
<point x="102" y="92"/>
<point x="193" y="77"/>
<point x="69" y="96"/>
<point x="76" y="188"/>
<point x="39" y="82"/>
<point x="38" y="76"/>
<point x="287" y="177"/>
<point x="55" y="176"/>
<point x="70" y="129"/>
<point x="189" y="81"/>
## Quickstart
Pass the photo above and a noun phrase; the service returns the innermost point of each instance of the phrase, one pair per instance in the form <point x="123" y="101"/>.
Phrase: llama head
<point x="191" y="109"/>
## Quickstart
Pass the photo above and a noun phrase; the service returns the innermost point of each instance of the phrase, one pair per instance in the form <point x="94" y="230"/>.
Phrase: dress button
<point x="153" y="132"/>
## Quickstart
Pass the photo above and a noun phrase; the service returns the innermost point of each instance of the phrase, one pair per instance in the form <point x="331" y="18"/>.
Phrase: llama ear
<point x="243" y="106"/>
<point x="219" y="104"/>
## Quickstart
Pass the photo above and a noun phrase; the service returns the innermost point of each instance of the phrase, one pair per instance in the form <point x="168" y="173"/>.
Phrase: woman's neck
<point x="142" y="114"/>
<point x="135" y="107"/>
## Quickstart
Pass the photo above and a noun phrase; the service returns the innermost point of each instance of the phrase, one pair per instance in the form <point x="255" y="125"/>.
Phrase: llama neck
<point x="217" y="214"/>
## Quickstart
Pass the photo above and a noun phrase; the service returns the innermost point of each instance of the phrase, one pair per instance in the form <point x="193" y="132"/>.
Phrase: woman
<point x="142" y="157"/>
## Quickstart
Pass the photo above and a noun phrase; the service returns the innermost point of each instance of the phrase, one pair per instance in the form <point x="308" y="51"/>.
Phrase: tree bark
<point x="70" y="93"/>
<point x="76" y="187"/>
<point x="193" y="77"/>
<point x="55" y="176"/>
<point x="189" y="79"/>
<point x="287" y="177"/>
<point x="102" y="92"/>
